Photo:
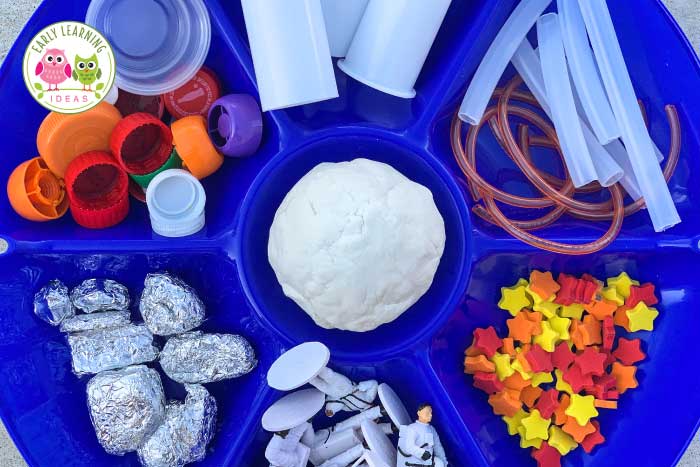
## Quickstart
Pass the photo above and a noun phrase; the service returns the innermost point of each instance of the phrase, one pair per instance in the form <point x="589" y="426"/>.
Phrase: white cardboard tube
<point x="290" y="51"/>
<point x="561" y="102"/>
<point x="342" y="19"/>
<point x="623" y="100"/>
<point x="392" y="43"/>
<point x="497" y="58"/>
<point x="585" y="73"/>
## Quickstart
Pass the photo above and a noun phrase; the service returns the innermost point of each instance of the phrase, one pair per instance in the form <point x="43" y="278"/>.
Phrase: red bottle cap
<point x="195" y="97"/>
<point x="129" y="103"/>
<point x="98" y="190"/>
<point x="141" y="143"/>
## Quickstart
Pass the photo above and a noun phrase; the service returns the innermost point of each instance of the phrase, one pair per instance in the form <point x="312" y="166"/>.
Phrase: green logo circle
<point x="69" y="67"/>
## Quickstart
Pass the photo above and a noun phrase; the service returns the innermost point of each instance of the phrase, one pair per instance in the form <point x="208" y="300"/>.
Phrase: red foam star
<point x="629" y="352"/>
<point x="547" y="456"/>
<point x="488" y="382"/>
<point x="487" y="341"/>
<point x="548" y="402"/>
<point x="594" y="439"/>
<point x="591" y="362"/>
<point x="608" y="333"/>
<point x="562" y="356"/>
<point x="643" y="293"/>
<point x="540" y="361"/>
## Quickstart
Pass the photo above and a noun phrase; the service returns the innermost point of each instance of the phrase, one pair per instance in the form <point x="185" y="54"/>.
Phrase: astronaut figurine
<point x="419" y="443"/>
<point x="342" y="394"/>
<point x="289" y="448"/>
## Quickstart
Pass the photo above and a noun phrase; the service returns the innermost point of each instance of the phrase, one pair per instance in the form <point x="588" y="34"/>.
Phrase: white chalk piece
<point x="293" y="410"/>
<point x="393" y="406"/>
<point x="298" y="366"/>
<point x="378" y="442"/>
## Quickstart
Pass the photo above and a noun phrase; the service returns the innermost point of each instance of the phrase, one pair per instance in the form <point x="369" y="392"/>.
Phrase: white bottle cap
<point x="176" y="201"/>
<point x="112" y="95"/>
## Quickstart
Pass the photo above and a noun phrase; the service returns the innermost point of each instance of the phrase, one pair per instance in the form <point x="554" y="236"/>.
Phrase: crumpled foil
<point x="169" y="306"/>
<point x="184" y="435"/>
<point x="100" y="295"/>
<point x="126" y="407"/>
<point x="108" y="349"/>
<point x="102" y="320"/>
<point x="52" y="303"/>
<point x="200" y="358"/>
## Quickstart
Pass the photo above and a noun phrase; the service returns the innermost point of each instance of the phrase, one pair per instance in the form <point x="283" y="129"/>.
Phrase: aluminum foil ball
<point x="100" y="295"/>
<point x="52" y="303"/>
<point x="169" y="306"/>
<point x="355" y="244"/>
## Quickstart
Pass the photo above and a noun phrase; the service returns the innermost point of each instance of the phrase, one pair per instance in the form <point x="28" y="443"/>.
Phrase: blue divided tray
<point x="420" y="354"/>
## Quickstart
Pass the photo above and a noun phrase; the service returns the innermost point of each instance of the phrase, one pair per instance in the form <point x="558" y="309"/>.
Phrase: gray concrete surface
<point x="13" y="15"/>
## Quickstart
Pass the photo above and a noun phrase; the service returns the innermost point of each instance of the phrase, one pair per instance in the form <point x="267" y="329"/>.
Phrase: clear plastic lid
<point x="158" y="45"/>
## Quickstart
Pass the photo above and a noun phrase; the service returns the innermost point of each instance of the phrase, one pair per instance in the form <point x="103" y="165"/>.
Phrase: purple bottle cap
<point x="235" y="125"/>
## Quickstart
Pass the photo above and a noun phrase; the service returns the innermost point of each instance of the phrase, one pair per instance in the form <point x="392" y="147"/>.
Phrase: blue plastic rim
<point x="420" y="355"/>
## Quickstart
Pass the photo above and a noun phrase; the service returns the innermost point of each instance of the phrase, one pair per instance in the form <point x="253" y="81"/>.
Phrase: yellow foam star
<point x="572" y="311"/>
<point x="548" y="309"/>
<point x="611" y="293"/>
<point x="561" y="441"/>
<point x="561" y="384"/>
<point x="622" y="283"/>
<point x="514" y="422"/>
<point x="503" y="366"/>
<point x="517" y="366"/>
<point x="514" y="299"/>
<point x="536" y="426"/>
<point x="536" y="298"/>
<point x="560" y="326"/>
<point x="642" y="317"/>
<point x="528" y="443"/>
<point x="539" y="378"/>
<point x="547" y="339"/>
<point x="582" y="408"/>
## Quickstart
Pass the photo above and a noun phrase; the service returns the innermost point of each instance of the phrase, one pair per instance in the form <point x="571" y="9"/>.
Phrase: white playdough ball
<point x="355" y="244"/>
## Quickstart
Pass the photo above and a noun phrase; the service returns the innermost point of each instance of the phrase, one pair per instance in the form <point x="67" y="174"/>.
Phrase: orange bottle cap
<point x="196" y="150"/>
<point x="35" y="193"/>
<point x="63" y="137"/>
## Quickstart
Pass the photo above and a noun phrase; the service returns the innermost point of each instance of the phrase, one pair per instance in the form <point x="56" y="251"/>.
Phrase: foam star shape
<point x="629" y="352"/>
<point x="487" y="341"/>
<point x="591" y="362"/>
<point x="624" y="377"/>
<point x="540" y="378"/>
<point x="503" y="366"/>
<point x="622" y="283"/>
<point x="548" y="338"/>
<point x="548" y="309"/>
<point x="575" y="310"/>
<point x="520" y="327"/>
<point x="528" y="443"/>
<point x="560" y="326"/>
<point x="546" y="456"/>
<point x="594" y="439"/>
<point x="543" y="285"/>
<point x="536" y="426"/>
<point x="561" y="441"/>
<point x="611" y="294"/>
<point x="561" y="384"/>
<point x="600" y="309"/>
<point x="576" y="431"/>
<point x="513" y="299"/>
<point x="504" y="404"/>
<point x="514" y="422"/>
<point x="582" y="408"/>
<point x="641" y="317"/>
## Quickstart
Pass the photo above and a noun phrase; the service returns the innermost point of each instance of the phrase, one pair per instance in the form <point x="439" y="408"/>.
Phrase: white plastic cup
<point x="392" y="43"/>
<point x="342" y="18"/>
<point x="290" y="51"/>
<point x="176" y="200"/>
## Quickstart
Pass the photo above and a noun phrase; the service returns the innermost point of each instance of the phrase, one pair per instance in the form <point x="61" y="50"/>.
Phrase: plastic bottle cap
<point x="141" y="143"/>
<point x="113" y="95"/>
<point x="137" y="191"/>
<point x="158" y="45"/>
<point x="173" y="162"/>
<point x="195" y="97"/>
<point x="235" y="125"/>
<point x="129" y="103"/>
<point x="35" y="193"/>
<point x="176" y="201"/>
<point x="62" y="137"/>
<point x="196" y="150"/>
<point x="98" y="190"/>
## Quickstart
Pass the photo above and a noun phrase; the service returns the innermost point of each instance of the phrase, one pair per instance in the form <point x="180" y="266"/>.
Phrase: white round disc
<point x="298" y="366"/>
<point x="293" y="410"/>
<point x="393" y="406"/>
<point x="375" y="460"/>
<point x="378" y="442"/>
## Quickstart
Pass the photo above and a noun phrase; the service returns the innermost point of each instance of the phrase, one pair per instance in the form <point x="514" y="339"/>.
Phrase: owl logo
<point x="86" y="71"/>
<point x="53" y="68"/>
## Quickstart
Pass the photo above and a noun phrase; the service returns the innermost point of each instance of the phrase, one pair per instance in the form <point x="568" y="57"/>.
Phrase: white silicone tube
<point x="585" y="72"/>
<point x="527" y="64"/>
<point x="497" y="58"/>
<point x="392" y="43"/>
<point x="618" y="85"/>
<point x="290" y="51"/>
<point x="560" y="97"/>
<point x="628" y="181"/>
<point x="342" y="19"/>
